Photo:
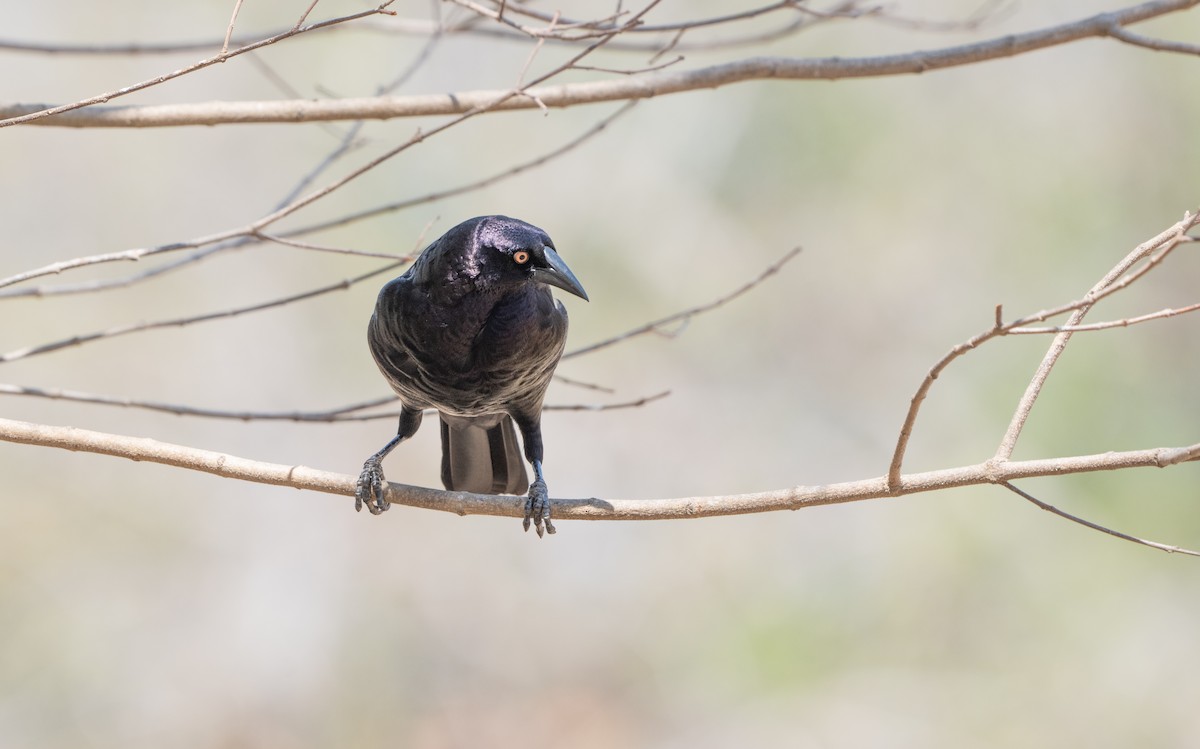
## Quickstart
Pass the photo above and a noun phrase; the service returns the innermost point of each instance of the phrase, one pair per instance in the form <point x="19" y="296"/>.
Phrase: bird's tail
<point x="483" y="460"/>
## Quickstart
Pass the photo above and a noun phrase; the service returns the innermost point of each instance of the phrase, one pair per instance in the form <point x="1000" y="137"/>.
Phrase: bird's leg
<point x="369" y="489"/>
<point x="537" y="504"/>
<point x="371" y="483"/>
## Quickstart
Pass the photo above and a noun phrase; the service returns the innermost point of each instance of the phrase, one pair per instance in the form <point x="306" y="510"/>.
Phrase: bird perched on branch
<point x="472" y="330"/>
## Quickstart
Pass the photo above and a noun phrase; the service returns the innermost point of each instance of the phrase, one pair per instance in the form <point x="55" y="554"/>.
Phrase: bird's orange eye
<point x="520" y="257"/>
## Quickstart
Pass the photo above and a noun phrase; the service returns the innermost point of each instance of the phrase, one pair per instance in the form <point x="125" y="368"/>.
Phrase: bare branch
<point x="396" y="26"/>
<point x="1158" y="45"/>
<point x="462" y="503"/>
<point x="607" y="24"/>
<point x="342" y="413"/>
<point x="42" y="113"/>
<point x="179" y="322"/>
<point x="237" y="8"/>
<point x="433" y="197"/>
<point x="421" y="136"/>
<point x="244" y="236"/>
<point x="648" y="68"/>
<point x="304" y="16"/>
<point x="102" y="285"/>
<point x="643" y="86"/>
<point x="618" y="406"/>
<point x="914" y="407"/>
<point x="556" y="28"/>
<point x="424" y="28"/>
<point x="683" y="317"/>
<point x="332" y="250"/>
<point x="581" y="384"/>
<point x="1095" y="526"/>
<point x="1150" y="254"/>
<point x="123" y="255"/>
<point x="1123" y="323"/>
<point x="987" y="11"/>
<point x="1171" y="237"/>
<point x="75" y="396"/>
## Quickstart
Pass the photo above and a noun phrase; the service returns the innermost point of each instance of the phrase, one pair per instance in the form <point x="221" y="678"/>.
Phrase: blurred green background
<point x="143" y="606"/>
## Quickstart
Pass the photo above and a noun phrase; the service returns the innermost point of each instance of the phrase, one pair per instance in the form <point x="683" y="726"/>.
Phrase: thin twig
<point x="411" y="27"/>
<point x="1118" y="281"/>
<point x="242" y="236"/>
<point x="421" y="136"/>
<point x="313" y="4"/>
<point x="274" y="77"/>
<point x="1095" y="526"/>
<point x="617" y="406"/>
<point x="1171" y="236"/>
<point x="433" y="197"/>
<point x="422" y="56"/>
<point x="43" y="113"/>
<point x="1159" y="45"/>
<point x="1108" y="325"/>
<point x="608" y="25"/>
<point x="351" y="412"/>
<point x="896" y="467"/>
<point x="75" y="396"/>
<point x="121" y="330"/>
<point x="115" y="283"/>
<point x="333" y="250"/>
<point x="987" y="11"/>
<point x="553" y="29"/>
<point x="237" y="8"/>
<point x="581" y="384"/>
<point x="632" y="71"/>
<point x="121" y="256"/>
<point x="683" y="317"/>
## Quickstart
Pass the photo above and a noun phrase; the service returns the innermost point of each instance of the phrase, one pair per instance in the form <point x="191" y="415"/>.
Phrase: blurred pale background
<point x="142" y="606"/>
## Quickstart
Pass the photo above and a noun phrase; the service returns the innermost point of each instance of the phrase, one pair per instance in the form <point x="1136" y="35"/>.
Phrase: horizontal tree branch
<point x="643" y="86"/>
<point x="462" y="503"/>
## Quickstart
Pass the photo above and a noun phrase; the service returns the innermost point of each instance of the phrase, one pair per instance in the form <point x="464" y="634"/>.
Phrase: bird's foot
<point x="537" y="508"/>
<point x="370" y="488"/>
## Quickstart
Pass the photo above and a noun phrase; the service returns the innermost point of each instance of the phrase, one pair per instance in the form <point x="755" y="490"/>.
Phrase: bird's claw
<point x="370" y="487"/>
<point x="537" y="509"/>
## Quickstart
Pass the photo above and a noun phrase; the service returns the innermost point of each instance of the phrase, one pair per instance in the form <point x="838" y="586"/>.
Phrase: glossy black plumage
<point x="472" y="330"/>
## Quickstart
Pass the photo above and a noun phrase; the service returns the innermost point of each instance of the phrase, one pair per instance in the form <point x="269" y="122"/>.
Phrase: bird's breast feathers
<point x="470" y="359"/>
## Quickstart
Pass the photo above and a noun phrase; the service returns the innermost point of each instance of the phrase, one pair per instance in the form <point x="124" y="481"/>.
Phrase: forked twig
<point x="1150" y="253"/>
<point x="1171" y="237"/>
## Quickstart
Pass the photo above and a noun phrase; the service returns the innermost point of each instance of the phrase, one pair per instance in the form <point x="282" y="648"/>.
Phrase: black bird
<point x="472" y="330"/>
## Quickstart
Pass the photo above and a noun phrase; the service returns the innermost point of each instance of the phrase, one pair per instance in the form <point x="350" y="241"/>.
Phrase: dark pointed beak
<point x="556" y="273"/>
